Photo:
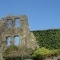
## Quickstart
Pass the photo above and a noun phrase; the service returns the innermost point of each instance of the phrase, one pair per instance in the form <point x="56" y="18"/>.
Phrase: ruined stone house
<point x="13" y="27"/>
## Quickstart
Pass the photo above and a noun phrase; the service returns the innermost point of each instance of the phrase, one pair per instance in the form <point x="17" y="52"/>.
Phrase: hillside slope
<point x="48" y="38"/>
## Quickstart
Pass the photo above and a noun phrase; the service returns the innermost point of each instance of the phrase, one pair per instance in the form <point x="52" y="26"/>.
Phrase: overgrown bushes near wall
<point x="48" y="38"/>
<point x="42" y="53"/>
<point x="17" y="53"/>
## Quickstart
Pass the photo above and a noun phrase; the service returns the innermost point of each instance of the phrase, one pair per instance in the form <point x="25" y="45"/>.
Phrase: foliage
<point x="10" y="49"/>
<point x="48" y="38"/>
<point x="22" y="51"/>
<point x="43" y="52"/>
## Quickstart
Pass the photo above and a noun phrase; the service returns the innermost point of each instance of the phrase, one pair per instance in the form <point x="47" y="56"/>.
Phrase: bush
<point x="43" y="53"/>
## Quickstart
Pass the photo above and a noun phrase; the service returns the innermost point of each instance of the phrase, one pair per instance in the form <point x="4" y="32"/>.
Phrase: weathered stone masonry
<point x="8" y="29"/>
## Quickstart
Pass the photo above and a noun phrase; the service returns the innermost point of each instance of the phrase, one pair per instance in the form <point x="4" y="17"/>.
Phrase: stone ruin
<point x="12" y="27"/>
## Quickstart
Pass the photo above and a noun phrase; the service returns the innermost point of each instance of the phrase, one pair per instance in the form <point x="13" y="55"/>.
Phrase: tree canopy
<point x="48" y="38"/>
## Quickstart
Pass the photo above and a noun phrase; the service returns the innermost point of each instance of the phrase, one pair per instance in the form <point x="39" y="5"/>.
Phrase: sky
<point x="42" y="14"/>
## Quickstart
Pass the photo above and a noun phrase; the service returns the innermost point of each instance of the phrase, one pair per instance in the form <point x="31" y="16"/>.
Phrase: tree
<point x="43" y="53"/>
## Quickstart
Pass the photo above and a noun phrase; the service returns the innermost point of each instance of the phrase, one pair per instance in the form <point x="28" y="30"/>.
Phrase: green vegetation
<point x="49" y="42"/>
<point x="43" y="53"/>
<point x="11" y="49"/>
<point x="48" y="38"/>
<point x="19" y="53"/>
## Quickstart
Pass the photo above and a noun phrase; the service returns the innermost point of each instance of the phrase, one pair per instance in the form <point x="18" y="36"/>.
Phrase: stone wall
<point x="8" y="29"/>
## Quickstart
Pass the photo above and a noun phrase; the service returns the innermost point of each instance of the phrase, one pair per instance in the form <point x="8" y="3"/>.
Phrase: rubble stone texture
<point x="8" y="29"/>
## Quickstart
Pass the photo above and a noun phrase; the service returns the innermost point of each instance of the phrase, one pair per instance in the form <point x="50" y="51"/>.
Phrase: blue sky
<point x="42" y="14"/>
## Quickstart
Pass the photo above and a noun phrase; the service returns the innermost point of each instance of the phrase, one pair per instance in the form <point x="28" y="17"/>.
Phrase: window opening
<point x="16" y="38"/>
<point x="8" y="40"/>
<point x="9" y="23"/>
<point x="17" y="23"/>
